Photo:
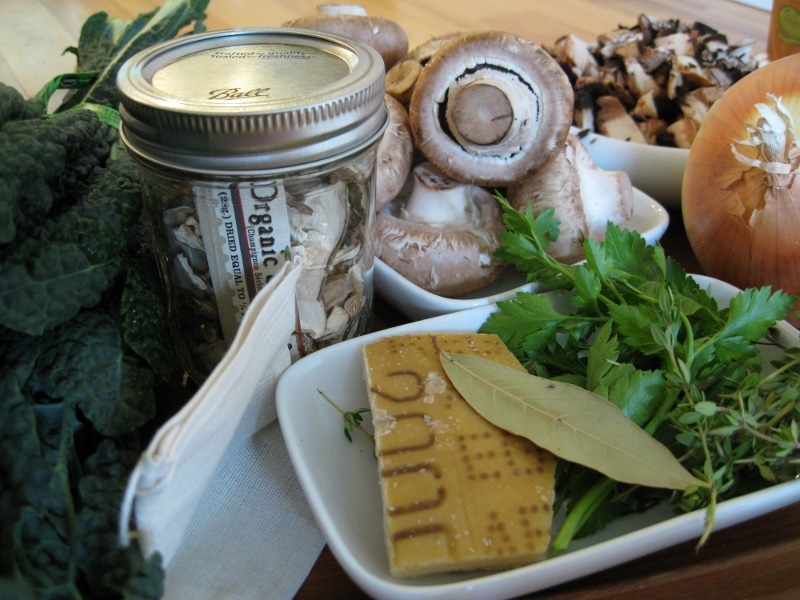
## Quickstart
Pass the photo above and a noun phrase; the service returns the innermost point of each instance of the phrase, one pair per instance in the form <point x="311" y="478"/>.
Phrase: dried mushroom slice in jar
<point x="183" y="265"/>
<point x="329" y="224"/>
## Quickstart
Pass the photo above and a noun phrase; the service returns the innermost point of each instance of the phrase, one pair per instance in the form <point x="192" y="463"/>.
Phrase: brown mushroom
<point x="490" y="108"/>
<point x="583" y="197"/>
<point x="395" y="154"/>
<point x="352" y="20"/>
<point x="651" y="68"/>
<point x="683" y="132"/>
<point x="441" y="236"/>
<point x="613" y="120"/>
<point x="402" y="77"/>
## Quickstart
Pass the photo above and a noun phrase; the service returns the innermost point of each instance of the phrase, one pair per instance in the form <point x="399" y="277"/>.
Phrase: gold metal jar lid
<point x="251" y="100"/>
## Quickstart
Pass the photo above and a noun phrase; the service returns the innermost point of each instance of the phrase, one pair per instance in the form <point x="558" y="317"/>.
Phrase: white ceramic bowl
<point x="656" y="170"/>
<point x="340" y="481"/>
<point x="649" y="218"/>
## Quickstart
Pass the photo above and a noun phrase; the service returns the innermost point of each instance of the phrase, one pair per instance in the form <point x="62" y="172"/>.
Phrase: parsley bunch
<point x="631" y="325"/>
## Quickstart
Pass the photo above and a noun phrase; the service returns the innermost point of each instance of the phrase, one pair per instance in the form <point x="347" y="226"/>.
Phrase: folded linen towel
<point x="215" y="492"/>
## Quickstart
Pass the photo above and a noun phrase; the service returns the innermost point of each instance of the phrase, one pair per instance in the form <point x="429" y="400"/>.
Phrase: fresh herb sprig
<point x="632" y="326"/>
<point x="352" y="419"/>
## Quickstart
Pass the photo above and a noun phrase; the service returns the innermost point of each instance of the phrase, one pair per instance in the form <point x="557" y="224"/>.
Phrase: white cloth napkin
<point x="215" y="492"/>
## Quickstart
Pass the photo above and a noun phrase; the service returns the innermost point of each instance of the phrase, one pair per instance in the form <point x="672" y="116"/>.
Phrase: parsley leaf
<point x="631" y="325"/>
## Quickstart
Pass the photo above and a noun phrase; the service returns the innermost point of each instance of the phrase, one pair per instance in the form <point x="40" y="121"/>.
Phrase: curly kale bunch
<point x="83" y="349"/>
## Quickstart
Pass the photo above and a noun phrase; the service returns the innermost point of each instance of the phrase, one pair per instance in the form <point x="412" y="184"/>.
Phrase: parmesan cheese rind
<point x="458" y="492"/>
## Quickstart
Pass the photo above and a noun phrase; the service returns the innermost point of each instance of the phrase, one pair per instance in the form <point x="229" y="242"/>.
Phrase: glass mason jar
<point x="256" y="146"/>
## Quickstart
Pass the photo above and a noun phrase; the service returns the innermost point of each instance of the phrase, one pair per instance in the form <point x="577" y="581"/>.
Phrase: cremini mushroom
<point x="352" y="20"/>
<point x="442" y="234"/>
<point x="402" y="77"/>
<point x="395" y="154"/>
<point x="490" y="108"/>
<point x="612" y="119"/>
<point x="583" y="197"/>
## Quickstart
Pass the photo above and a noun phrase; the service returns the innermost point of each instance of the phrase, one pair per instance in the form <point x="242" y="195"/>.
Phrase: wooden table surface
<point x="758" y="559"/>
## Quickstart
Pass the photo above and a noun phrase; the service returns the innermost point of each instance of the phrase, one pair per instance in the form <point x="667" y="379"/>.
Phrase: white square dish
<point x="650" y="219"/>
<point x="340" y="481"/>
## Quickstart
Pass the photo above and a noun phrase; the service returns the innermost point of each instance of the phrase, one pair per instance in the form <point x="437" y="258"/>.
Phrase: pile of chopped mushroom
<point x="654" y="82"/>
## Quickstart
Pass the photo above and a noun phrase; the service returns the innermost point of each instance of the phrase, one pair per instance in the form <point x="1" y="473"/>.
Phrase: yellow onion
<point x="741" y="188"/>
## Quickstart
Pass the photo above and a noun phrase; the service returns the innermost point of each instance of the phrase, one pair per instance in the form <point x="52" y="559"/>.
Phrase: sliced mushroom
<point x="653" y="130"/>
<point x="395" y="154"/>
<point x="318" y="222"/>
<point x="651" y="67"/>
<point x="441" y="236"/>
<point x="490" y="108"/>
<point x="573" y="51"/>
<point x="583" y="197"/>
<point x="613" y="120"/>
<point x="683" y="132"/>
<point x="352" y="20"/>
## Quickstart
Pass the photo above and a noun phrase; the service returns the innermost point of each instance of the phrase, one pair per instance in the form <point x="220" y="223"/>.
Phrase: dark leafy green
<point x="83" y="342"/>
<point x="632" y="326"/>
<point x="60" y="510"/>
<point x="72" y="258"/>
<point x="106" y="43"/>
<point x="45" y="164"/>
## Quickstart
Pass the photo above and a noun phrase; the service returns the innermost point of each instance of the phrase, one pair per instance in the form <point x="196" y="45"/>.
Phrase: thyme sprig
<point x="352" y="419"/>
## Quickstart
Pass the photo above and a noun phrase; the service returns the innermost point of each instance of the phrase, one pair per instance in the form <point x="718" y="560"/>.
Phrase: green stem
<point x="580" y="513"/>
<point x="345" y="414"/>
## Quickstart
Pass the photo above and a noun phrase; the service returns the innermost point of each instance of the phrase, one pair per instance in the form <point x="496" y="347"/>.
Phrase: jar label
<point x="246" y="234"/>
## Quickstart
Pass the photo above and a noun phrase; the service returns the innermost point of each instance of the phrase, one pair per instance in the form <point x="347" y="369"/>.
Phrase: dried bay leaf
<point x="573" y="423"/>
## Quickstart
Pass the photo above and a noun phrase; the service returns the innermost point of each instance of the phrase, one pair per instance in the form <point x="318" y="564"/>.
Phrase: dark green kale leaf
<point x="143" y="315"/>
<point x="85" y="363"/>
<point x="111" y="570"/>
<point x="45" y="164"/>
<point x="36" y="498"/>
<point x="74" y="258"/>
<point x="106" y="43"/>
<point x="14" y="106"/>
<point x="60" y="496"/>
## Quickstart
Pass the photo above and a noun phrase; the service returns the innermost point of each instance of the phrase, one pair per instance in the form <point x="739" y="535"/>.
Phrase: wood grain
<point x="34" y="33"/>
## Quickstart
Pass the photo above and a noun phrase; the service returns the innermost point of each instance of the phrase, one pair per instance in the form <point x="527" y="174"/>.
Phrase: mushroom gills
<point x="490" y="108"/>
<point x="441" y="234"/>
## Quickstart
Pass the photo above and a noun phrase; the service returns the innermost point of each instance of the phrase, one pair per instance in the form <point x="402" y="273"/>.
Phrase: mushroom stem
<point x="481" y="113"/>
<point x="437" y="200"/>
<point x="445" y="238"/>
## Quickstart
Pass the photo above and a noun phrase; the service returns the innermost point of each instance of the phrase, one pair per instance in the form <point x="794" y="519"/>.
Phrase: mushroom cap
<point x="402" y="77"/>
<point x="395" y="154"/>
<point x="425" y="51"/>
<point x="384" y="35"/>
<point x="584" y="198"/>
<point x="490" y="108"/>
<point x="556" y="186"/>
<point x="449" y="260"/>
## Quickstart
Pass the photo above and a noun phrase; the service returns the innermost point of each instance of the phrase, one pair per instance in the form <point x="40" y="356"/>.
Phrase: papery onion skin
<point x="743" y="224"/>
